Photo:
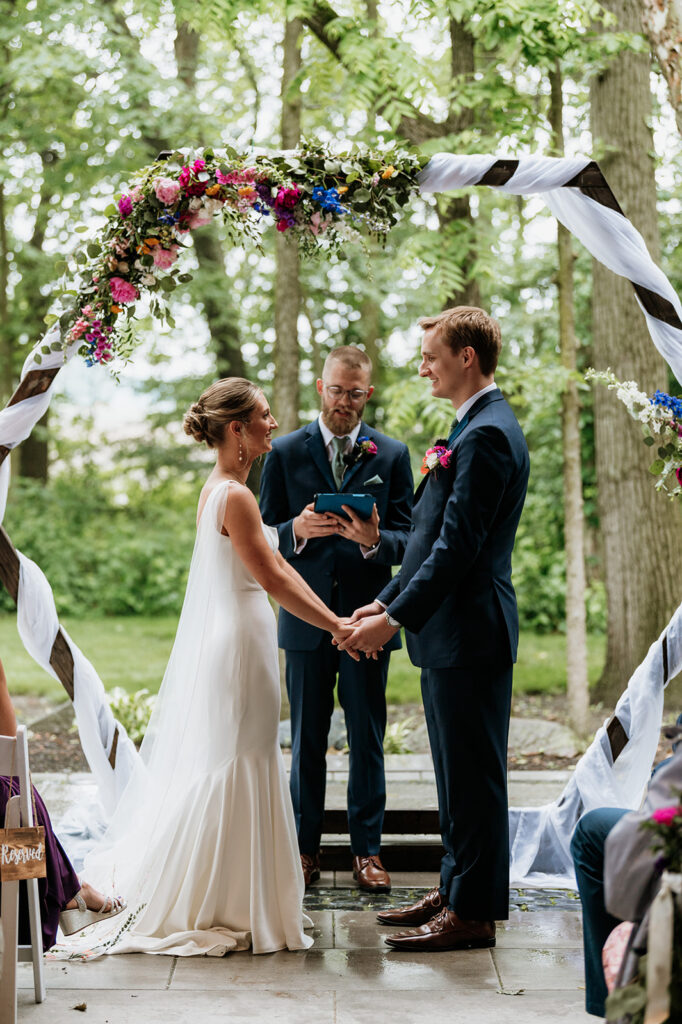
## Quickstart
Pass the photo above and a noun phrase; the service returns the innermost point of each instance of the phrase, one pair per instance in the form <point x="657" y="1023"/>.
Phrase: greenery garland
<point x="319" y="197"/>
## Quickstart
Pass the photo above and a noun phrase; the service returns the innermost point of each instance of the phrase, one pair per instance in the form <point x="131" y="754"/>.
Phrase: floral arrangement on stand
<point x="319" y="198"/>
<point x="660" y="417"/>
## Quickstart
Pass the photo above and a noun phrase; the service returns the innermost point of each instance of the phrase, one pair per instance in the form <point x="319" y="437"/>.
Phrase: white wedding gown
<point x="203" y="842"/>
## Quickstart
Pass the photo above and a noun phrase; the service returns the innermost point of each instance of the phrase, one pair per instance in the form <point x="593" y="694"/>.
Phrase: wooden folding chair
<point x="14" y="756"/>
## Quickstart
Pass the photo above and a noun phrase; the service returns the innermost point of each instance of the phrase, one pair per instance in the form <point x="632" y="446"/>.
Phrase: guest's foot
<point x="311" y="867"/>
<point x="445" y="931"/>
<point x="93" y="900"/>
<point x="418" y="913"/>
<point x="371" y="875"/>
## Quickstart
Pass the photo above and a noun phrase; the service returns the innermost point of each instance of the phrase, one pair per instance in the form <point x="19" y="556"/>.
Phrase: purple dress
<point x="61" y="883"/>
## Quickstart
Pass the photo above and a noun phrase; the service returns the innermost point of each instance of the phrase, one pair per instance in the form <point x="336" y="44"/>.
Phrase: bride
<point x="203" y="841"/>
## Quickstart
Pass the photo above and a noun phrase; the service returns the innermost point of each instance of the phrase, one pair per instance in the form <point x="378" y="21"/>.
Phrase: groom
<point x="345" y="563"/>
<point x="455" y="598"/>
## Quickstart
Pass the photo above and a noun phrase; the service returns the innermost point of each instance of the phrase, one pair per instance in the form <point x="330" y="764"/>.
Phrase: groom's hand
<point x="367" y="609"/>
<point x="370" y="635"/>
<point x="314" y="524"/>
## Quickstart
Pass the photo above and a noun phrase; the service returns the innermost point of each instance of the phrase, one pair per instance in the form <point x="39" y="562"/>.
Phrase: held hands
<point x="341" y="633"/>
<point x="370" y="634"/>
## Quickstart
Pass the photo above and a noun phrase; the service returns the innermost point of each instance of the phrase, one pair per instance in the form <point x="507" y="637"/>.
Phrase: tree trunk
<point x="662" y="22"/>
<point x="576" y="626"/>
<point x="6" y="346"/>
<point x="286" y="392"/>
<point x="641" y="530"/>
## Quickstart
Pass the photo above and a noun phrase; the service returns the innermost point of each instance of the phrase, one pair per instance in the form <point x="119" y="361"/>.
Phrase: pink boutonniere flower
<point x="437" y="456"/>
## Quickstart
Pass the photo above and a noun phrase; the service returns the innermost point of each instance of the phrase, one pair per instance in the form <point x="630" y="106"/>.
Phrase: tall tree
<point x="642" y="533"/>
<point x="576" y="619"/>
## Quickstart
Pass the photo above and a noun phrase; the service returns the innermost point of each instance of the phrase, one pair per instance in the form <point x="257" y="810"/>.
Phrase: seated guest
<point x="617" y="828"/>
<point x="64" y="900"/>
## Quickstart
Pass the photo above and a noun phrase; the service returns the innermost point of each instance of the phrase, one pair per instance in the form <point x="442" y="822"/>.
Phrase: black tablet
<point x="362" y="504"/>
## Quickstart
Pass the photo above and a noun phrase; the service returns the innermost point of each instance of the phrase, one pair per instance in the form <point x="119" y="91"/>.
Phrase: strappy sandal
<point x="81" y="917"/>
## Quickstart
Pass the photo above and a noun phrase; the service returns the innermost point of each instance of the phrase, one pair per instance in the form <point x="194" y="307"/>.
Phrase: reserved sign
<point x="22" y="853"/>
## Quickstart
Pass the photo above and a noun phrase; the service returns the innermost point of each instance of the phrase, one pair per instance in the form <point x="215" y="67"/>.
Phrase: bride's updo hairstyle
<point x="232" y="398"/>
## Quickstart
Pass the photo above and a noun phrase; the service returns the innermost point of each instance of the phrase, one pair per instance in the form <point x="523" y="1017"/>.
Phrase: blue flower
<point x="168" y="218"/>
<point x="328" y="198"/>
<point x="674" y="405"/>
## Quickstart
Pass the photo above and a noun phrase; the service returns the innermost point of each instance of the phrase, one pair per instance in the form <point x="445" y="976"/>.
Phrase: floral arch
<point x="322" y="199"/>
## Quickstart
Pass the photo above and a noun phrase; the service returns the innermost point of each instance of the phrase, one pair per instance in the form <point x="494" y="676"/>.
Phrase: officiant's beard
<point x="340" y="421"/>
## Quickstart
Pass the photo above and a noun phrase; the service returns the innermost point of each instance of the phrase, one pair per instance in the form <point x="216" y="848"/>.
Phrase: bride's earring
<point x="241" y="453"/>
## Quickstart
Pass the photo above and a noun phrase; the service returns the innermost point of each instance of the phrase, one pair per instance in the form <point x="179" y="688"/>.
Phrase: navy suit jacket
<point x="295" y="470"/>
<point x="454" y="593"/>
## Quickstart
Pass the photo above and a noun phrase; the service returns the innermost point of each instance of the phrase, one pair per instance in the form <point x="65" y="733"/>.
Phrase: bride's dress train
<point x="203" y="842"/>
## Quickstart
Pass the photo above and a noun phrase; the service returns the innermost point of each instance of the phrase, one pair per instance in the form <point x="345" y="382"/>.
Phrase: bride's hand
<point x="342" y="632"/>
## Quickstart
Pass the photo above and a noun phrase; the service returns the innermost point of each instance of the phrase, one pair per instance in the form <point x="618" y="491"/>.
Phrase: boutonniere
<point x="362" y="448"/>
<point x="439" y="455"/>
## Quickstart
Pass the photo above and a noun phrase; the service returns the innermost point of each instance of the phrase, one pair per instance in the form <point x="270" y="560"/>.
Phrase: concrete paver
<point x="349" y="976"/>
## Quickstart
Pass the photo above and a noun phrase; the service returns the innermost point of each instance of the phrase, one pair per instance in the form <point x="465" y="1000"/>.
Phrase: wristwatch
<point x="393" y="623"/>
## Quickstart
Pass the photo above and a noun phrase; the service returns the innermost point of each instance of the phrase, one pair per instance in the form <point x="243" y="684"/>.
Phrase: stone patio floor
<point x="349" y="976"/>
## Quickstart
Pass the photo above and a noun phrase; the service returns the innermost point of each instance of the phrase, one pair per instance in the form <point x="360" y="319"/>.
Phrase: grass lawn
<point x="132" y="652"/>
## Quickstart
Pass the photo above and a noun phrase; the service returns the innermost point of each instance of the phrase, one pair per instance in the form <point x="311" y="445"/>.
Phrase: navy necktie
<point x="457" y="428"/>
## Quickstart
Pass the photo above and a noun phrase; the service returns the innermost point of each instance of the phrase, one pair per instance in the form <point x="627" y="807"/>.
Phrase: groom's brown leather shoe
<point x="371" y="874"/>
<point x="418" y="913"/>
<point x="311" y="867"/>
<point x="445" y="931"/>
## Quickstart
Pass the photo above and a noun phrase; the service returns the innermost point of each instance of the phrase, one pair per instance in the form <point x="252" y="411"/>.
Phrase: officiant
<point x="346" y="561"/>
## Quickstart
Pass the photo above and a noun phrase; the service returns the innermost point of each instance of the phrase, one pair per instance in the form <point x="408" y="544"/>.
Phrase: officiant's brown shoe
<point x="418" y="913"/>
<point x="371" y="874"/>
<point x="311" y="867"/>
<point x="445" y="931"/>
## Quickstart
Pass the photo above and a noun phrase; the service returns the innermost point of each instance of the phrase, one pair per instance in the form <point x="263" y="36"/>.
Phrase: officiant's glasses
<point x="355" y="394"/>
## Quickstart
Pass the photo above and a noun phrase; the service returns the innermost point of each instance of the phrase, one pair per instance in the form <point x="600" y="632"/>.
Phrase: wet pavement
<point x="349" y="976"/>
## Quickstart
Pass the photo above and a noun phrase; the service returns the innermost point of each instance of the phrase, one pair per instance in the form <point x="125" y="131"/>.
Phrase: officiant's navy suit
<point x="455" y="597"/>
<point x="295" y="470"/>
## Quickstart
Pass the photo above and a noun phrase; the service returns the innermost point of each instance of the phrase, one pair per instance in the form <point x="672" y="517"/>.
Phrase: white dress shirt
<point x="465" y="406"/>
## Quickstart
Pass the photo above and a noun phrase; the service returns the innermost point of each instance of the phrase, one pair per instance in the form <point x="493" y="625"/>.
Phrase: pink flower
<point x="165" y="258"/>
<point x="282" y="225"/>
<point x="666" y="815"/>
<point x="288" y="197"/>
<point x="184" y="177"/>
<point x="136" y="194"/>
<point x="87" y="310"/>
<point x="79" y="328"/>
<point x="444" y="459"/>
<point x="125" y="206"/>
<point x="198" y="166"/>
<point x="166" y="190"/>
<point x="678" y="474"/>
<point x="122" y="291"/>
<point x="198" y="219"/>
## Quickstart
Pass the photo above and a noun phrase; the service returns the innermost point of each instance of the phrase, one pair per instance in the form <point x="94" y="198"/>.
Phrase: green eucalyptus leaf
<point x="167" y="284"/>
<point x="657" y="467"/>
<point x="50" y="318"/>
<point x="362" y="196"/>
<point x="649" y="441"/>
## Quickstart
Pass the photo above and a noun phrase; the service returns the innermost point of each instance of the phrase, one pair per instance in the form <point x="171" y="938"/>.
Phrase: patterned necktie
<point x="457" y="427"/>
<point x="338" y="464"/>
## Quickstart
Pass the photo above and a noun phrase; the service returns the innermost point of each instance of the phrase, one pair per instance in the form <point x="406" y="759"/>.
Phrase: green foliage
<point x="132" y="710"/>
<point x="397" y="736"/>
<point x="102" y="557"/>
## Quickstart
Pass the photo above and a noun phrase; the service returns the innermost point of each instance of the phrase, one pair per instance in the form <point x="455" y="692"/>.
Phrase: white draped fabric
<point x="540" y="836"/>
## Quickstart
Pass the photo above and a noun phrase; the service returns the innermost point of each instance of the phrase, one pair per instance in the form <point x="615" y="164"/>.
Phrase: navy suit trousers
<point x="310" y="678"/>
<point x="467" y="716"/>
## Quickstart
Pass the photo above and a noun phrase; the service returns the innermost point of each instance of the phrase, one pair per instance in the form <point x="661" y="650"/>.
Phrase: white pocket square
<point x="373" y="480"/>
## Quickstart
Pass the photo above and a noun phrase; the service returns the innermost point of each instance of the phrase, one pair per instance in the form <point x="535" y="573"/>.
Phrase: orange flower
<point x="389" y="172"/>
<point x="116" y="309"/>
<point x="151" y="241"/>
<point x="341" y="189"/>
<point x="213" y="190"/>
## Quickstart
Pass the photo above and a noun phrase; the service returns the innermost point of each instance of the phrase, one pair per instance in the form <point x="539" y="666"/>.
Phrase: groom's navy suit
<point x="455" y="598"/>
<point x="296" y="469"/>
